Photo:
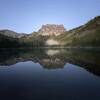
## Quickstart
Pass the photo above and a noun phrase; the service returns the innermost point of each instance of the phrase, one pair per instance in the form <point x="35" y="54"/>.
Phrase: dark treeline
<point x="9" y="42"/>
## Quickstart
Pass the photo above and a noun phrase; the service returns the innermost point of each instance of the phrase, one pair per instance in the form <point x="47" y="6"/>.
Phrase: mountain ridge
<point x="85" y="35"/>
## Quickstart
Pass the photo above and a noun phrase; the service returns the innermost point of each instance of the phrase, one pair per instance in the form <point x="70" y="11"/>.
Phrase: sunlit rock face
<point x="52" y="29"/>
<point x="52" y="42"/>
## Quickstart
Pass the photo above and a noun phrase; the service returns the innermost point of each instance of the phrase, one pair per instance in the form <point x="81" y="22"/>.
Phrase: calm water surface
<point x="50" y="74"/>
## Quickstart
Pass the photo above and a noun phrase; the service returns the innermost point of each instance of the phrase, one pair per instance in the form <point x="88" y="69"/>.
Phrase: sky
<point x="26" y="16"/>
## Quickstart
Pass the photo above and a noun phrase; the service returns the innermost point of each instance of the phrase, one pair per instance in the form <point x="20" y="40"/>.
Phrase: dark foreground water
<point x="50" y="74"/>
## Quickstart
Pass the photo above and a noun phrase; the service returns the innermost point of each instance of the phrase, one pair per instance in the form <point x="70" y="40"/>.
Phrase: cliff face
<point x="52" y="29"/>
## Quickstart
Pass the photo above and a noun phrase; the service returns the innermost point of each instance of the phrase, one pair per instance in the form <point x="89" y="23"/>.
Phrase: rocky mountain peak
<point x="12" y="34"/>
<point x="52" y="29"/>
<point x="9" y="33"/>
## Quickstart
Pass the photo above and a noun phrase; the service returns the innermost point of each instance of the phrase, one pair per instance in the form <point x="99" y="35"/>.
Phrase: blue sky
<point x="28" y="15"/>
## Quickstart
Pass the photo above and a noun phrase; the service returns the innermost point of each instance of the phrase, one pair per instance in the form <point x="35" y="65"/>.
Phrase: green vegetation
<point x="86" y="35"/>
<point x="8" y="42"/>
<point x="34" y="41"/>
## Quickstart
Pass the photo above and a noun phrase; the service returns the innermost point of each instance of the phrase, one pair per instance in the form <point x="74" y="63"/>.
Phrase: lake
<point x="50" y="74"/>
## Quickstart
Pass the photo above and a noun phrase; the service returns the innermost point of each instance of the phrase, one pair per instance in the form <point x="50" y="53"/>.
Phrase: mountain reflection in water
<point x="50" y="74"/>
<point x="54" y="58"/>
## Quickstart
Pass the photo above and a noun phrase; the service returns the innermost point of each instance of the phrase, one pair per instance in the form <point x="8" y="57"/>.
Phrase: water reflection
<point x="52" y="52"/>
<point x="49" y="74"/>
<point x="54" y="58"/>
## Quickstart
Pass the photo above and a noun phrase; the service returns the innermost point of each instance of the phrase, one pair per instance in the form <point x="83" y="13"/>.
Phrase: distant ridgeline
<point x="87" y="35"/>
